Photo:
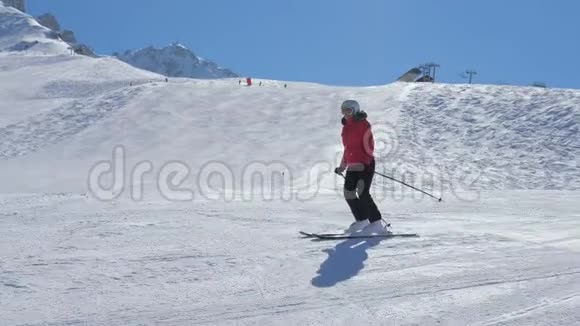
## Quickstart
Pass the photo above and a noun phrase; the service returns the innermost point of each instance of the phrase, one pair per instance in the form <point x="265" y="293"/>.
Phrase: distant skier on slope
<point x="359" y="163"/>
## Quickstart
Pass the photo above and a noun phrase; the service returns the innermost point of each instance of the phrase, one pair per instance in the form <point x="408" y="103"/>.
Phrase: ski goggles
<point x="347" y="111"/>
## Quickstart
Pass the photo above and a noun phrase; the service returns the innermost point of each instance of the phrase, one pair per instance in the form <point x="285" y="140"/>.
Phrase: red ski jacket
<point x="357" y="139"/>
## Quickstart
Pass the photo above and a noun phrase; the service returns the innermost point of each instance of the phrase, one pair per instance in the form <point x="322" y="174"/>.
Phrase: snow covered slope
<point x="506" y="137"/>
<point x="34" y="85"/>
<point x="482" y="137"/>
<point x="512" y="258"/>
<point x="22" y="33"/>
<point x="175" y="61"/>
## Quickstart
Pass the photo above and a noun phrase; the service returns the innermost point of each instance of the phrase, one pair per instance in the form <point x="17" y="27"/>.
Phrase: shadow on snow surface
<point x="344" y="261"/>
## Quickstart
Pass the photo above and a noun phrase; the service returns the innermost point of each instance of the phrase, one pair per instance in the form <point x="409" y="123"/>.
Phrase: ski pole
<point x="401" y="182"/>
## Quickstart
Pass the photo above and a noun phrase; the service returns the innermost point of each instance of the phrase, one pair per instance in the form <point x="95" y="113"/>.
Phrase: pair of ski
<point x="341" y="236"/>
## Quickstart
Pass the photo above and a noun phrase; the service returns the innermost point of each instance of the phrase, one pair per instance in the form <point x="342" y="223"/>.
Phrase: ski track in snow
<point x="530" y="311"/>
<point x="60" y="124"/>
<point x="518" y="138"/>
<point x="208" y="263"/>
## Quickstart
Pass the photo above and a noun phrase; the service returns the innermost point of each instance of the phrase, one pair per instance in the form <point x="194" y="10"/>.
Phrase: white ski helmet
<point x="351" y="104"/>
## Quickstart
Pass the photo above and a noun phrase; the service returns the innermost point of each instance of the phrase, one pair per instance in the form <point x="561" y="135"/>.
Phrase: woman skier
<point x="359" y="163"/>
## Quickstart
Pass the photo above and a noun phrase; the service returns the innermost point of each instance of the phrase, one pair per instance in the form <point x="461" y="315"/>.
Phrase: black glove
<point x="339" y="170"/>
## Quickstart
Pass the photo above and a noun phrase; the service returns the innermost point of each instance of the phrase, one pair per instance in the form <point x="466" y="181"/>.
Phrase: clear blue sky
<point x="340" y="42"/>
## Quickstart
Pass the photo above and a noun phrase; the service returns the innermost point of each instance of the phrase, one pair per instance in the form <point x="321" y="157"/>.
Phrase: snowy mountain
<point x="50" y="21"/>
<point x="20" y="32"/>
<point x="128" y="200"/>
<point x="175" y="61"/>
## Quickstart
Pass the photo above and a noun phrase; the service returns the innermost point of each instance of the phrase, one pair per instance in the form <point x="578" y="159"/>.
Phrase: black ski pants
<point x="357" y="186"/>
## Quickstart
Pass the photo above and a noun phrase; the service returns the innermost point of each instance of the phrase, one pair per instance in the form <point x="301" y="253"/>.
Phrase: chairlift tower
<point x="429" y="70"/>
<point x="470" y="73"/>
<point x="432" y="66"/>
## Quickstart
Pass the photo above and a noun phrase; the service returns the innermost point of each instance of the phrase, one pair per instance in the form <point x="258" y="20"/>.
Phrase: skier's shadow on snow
<point x="344" y="261"/>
